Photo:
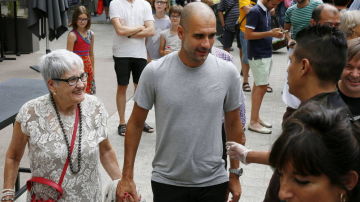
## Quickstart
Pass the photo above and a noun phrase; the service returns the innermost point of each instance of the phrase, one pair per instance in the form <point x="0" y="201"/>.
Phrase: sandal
<point x="246" y="87"/>
<point x="269" y="89"/>
<point x="122" y="129"/>
<point x="148" y="128"/>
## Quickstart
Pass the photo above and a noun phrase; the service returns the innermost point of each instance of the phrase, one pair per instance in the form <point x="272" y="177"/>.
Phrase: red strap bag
<point x="54" y="185"/>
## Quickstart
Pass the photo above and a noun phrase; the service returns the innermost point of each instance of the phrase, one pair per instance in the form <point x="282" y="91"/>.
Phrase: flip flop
<point x="148" y="129"/>
<point x="122" y="129"/>
<point x="246" y="87"/>
<point x="269" y="89"/>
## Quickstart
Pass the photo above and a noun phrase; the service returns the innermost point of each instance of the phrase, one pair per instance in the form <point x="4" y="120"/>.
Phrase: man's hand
<point x="234" y="188"/>
<point x="277" y="32"/>
<point x="126" y="191"/>
<point x="142" y="27"/>
<point x="237" y="151"/>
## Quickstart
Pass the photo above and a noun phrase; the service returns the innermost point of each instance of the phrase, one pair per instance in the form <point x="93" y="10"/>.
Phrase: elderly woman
<point x="317" y="156"/>
<point x="350" y="24"/>
<point x="48" y="125"/>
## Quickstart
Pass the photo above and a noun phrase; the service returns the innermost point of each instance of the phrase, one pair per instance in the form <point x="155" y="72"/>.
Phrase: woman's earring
<point x="343" y="197"/>
<point x="53" y="92"/>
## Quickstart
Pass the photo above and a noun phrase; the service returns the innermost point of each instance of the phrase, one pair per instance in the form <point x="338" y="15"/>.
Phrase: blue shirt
<point x="259" y="20"/>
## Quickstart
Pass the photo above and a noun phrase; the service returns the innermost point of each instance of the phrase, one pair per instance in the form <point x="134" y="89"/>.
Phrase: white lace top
<point x="48" y="151"/>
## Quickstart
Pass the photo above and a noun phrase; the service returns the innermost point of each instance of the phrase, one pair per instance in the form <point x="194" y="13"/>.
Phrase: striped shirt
<point x="299" y="18"/>
<point x="233" y="14"/>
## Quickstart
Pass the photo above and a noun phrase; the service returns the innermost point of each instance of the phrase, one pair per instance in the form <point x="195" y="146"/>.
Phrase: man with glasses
<point x="133" y="22"/>
<point x="325" y="14"/>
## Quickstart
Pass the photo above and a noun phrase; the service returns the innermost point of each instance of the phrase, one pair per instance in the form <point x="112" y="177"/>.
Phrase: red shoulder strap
<point x="71" y="145"/>
<point x="51" y="183"/>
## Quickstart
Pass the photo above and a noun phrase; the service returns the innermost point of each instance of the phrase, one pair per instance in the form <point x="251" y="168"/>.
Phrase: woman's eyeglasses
<point x="83" y="19"/>
<point x="72" y="81"/>
<point x="160" y="2"/>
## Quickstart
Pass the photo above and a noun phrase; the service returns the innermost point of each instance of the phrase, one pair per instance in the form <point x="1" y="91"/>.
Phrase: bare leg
<point x="107" y="12"/>
<point x="121" y="102"/>
<point x="244" y="69"/>
<point x="256" y="100"/>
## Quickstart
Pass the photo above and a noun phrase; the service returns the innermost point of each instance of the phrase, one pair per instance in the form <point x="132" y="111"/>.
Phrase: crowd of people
<point x="198" y="98"/>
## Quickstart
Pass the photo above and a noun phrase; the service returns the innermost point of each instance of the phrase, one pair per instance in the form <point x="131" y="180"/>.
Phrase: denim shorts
<point x="244" y="46"/>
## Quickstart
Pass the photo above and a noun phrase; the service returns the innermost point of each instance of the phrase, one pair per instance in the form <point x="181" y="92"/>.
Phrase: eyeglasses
<point x="160" y="2"/>
<point x="83" y="19"/>
<point x="332" y="24"/>
<point x="175" y="16"/>
<point x="72" y="81"/>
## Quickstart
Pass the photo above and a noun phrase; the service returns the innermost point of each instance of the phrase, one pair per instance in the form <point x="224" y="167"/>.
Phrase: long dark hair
<point x="318" y="140"/>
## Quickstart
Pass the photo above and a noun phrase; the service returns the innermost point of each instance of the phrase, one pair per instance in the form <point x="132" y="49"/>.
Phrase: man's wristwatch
<point x="236" y="171"/>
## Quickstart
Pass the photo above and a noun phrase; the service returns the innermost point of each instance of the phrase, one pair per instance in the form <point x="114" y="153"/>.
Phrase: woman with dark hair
<point x="317" y="156"/>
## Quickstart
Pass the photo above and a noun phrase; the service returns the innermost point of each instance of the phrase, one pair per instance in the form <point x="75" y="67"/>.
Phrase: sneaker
<point x="122" y="129"/>
<point x="148" y="128"/>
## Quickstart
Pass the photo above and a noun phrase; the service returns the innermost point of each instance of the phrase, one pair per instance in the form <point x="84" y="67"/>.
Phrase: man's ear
<point x="305" y="67"/>
<point x="351" y="179"/>
<point x="180" y="32"/>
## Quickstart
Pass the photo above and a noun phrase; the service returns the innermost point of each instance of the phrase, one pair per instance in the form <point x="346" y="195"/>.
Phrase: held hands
<point x="167" y="51"/>
<point x="237" y="151"/>
<point x="126" y="191"/>
<point x="277" y="32"/>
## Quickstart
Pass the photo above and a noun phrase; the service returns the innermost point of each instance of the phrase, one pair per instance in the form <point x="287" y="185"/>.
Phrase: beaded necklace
<point x="66" y="139"/>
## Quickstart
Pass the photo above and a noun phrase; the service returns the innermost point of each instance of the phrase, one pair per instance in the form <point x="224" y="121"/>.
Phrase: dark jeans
<point x="170" y="193"/>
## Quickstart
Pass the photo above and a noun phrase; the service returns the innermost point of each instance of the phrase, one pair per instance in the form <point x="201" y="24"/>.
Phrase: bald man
<point x="191" y="90"/>
<point x="325" y="14"/>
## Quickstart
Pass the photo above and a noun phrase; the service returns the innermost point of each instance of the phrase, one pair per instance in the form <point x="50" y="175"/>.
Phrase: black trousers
<point x="167" y="193"/>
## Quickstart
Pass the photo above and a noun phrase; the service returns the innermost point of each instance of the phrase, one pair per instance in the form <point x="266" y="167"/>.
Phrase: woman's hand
<point x="126" y="191"/>
<point x="237" y="151"/>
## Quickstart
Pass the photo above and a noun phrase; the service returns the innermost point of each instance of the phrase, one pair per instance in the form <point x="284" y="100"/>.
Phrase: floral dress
<point x="82" y="48"/>
<point x="48" y="151"/>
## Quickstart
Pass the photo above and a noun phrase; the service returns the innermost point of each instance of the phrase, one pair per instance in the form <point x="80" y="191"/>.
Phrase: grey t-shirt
<point x="173" y="42"/>
<point x="189" y="104"/>
<point x="153" y="42"/>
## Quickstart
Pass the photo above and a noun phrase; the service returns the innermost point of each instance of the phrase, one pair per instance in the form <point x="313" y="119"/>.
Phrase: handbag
<point x="54" y="185"/>
<point x="110" y="191"/>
